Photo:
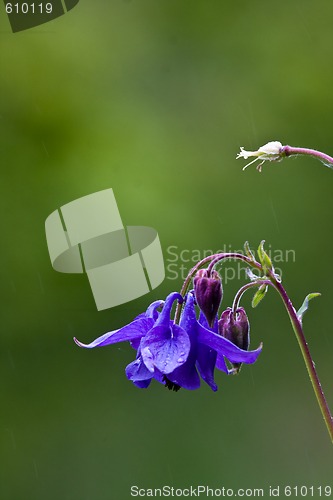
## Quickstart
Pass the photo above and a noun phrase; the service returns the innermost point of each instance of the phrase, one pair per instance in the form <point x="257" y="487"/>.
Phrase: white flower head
<point x="272" y="151"/>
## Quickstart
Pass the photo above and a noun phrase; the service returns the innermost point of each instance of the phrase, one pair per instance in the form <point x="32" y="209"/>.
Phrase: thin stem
<point x="297" y="327"/>
<point x="187" y="282"/>
<point x="290" y="150"/>
<point x="213" y="259"/>
<point x="242" y="290"/>
<point x="218" y="257"/>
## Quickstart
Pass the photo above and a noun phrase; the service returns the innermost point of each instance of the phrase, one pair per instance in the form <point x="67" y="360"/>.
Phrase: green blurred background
<point x="154" y="99"/>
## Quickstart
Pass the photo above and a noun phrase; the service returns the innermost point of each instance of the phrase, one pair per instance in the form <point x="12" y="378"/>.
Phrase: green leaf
<point x="259" y="295"/>
<point x="304" y="307"/>
<point x="248" y="251"/>
<point x="264" y="258"/>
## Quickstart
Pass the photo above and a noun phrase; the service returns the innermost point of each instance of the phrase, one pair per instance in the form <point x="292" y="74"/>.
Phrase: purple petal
<point x="139" y="374"/>
<point x="220" y="361"/>
<point x="183" y="372"/>
<point x="221" y="364"/>
<point x="152" y="309"/>
<point x="206" y="359"/>
<point x="165" y="348"/>
<point x="204" y="323"/>
<point x="137" y="371"/>
<point x="134" y="330"/>
<point x="186" y="376"/>
<point x="188" y="318"/>
<point x="142" y="384"/>
<point x="226" y="348"/>
<point x="135" y="343"/>
<point x="164" y="317"/>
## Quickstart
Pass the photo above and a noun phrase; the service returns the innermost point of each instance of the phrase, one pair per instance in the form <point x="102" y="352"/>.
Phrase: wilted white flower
<point x="272" y="151"/>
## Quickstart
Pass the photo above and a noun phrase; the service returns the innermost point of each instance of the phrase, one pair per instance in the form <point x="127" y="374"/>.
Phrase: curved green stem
<point x="213" y="259"/>
<point x="298" y="330"/>
<point x="297" y="327"/>
<point x="239" y="256"/>
<point x="242" y="290"/>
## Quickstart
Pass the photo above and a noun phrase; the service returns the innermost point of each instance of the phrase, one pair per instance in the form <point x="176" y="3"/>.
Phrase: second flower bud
<point x="236" y="328"/>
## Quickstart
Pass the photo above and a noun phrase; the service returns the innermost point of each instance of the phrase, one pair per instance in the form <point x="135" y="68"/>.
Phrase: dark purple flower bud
<point x="236" y="328"/>
<point x="208" y="293"/>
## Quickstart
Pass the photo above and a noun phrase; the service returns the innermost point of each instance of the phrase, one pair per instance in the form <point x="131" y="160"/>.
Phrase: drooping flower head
<point x="162" y="345"/>
<point x="175" y="355"/>
<point x="269" y="152"/>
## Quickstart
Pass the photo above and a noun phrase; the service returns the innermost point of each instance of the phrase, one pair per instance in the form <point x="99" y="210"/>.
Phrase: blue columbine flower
<point x="162" y="345"/>
<point x="175" y="354"/>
